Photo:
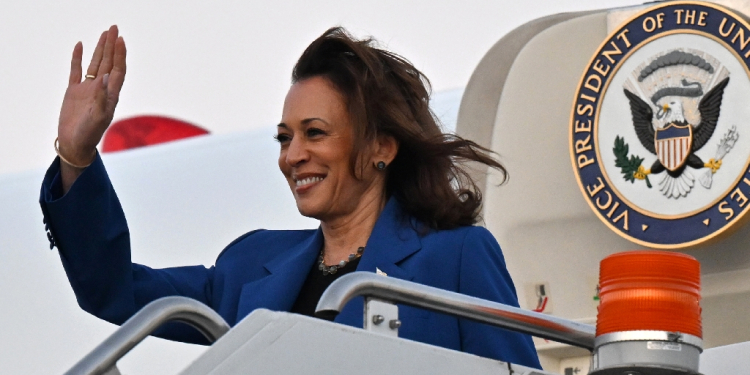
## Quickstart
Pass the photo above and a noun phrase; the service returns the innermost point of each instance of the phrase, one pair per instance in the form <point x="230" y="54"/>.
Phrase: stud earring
<point x="380" y="166"/>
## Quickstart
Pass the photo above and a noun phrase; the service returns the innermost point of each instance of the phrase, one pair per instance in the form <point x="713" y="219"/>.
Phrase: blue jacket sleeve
<point x="89" y="228"/>
<point x="484" y="275"/>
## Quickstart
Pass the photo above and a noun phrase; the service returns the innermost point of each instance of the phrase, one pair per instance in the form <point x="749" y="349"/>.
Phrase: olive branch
<point x="628" y="166"/>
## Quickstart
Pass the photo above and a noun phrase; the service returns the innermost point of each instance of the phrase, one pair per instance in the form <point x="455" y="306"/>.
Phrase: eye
<point x="282" y="138"/>
<point x="313" y="132"/>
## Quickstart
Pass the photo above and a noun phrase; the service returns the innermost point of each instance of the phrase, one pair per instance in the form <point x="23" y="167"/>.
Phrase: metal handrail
<point x="104" y="357"/>
<point x="394" y="290"/>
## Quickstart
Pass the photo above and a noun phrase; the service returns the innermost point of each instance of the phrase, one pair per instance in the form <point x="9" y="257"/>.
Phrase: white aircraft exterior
<point x="185" y="200"/>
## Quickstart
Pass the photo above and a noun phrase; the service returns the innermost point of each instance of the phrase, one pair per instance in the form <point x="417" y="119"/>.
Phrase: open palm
<point x="89" y="104"/>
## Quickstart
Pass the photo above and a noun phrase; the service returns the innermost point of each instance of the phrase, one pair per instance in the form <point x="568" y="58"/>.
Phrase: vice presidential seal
<point x="660" y="127"/>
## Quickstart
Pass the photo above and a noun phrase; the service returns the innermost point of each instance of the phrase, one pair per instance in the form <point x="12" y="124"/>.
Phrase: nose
<point x="297" y="152"/>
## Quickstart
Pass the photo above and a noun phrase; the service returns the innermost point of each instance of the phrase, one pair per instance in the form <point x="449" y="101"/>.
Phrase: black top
<point x="314" y="286"/>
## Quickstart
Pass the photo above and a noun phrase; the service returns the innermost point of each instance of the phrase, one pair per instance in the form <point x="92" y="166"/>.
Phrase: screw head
<point x="377" y="319"/>
<point x="394" y="324"/>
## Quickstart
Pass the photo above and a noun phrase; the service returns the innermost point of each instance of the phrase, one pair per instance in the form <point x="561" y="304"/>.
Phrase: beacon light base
<point x="646" y="353"/>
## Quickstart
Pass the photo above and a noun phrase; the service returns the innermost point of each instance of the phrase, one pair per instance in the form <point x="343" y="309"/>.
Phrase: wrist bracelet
<point x="57" y="151"/>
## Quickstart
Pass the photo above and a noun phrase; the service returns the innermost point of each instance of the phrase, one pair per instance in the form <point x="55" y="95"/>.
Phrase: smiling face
<point x="317" y="139"/>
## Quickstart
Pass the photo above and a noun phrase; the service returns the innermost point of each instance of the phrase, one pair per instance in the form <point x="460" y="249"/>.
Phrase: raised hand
<point x="89" y="104"/>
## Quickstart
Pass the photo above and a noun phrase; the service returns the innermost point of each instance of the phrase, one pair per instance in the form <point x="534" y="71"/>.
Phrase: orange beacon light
<point x="649" y="314"/>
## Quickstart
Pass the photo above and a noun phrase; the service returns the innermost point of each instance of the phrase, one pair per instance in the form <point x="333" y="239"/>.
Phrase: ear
<point x="385" y="150"/>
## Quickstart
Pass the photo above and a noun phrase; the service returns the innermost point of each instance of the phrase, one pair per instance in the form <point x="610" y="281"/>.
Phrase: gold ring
<point x="90" y="76"/>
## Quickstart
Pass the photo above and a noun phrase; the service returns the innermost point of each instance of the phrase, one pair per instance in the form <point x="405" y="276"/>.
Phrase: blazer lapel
<point x="393" y="239"/>
<point x="279" y="289"/>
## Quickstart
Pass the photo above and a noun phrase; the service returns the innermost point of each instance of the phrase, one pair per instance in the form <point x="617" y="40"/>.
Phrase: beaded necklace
<point x="330" y="270"/>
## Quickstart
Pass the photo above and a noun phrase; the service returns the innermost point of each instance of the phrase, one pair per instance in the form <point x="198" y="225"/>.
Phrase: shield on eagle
<point x="673" y="144"/>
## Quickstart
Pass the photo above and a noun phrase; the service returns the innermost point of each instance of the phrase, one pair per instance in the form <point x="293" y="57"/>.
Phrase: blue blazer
<point x="266" y="269"/>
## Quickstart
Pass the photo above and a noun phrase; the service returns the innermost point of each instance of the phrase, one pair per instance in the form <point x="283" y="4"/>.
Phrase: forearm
<point x="69" y="175"/>
<point x="93" y="240"/>
<point x="82" y="212"/>
<point x="91" y="233"/>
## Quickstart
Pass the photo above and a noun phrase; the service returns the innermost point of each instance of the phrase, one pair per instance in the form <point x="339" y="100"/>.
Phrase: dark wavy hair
<point x="386" y="95"/>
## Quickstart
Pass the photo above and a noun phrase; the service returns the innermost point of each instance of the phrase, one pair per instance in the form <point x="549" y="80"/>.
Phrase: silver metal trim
<point x="393" y="290"/>
<point x="649" y="336"/>
<point x="646" y="357"/>
<point x="104" y="357"/>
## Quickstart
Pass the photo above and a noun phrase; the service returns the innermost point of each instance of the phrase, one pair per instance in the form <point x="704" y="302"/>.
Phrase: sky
<point x="225" y="65"/>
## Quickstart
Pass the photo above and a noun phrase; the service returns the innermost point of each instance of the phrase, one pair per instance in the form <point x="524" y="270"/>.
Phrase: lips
<point x="305" y="182"/>
<point x="308" y="181"/>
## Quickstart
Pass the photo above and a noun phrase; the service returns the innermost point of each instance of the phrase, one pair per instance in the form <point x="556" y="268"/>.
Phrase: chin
<point x="308" y="210"/>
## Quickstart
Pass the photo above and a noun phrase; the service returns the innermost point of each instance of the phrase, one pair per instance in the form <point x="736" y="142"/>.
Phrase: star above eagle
<point x="671" y="115"/>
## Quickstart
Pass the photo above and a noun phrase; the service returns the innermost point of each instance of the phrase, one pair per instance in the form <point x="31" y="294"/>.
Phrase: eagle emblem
<point x="656" y="113"/>
<point x="662" y="126"/>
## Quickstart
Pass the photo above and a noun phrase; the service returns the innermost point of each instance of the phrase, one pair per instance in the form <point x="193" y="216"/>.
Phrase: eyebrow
<point x="309" y="120"/>
<point x="304" y="122"/>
